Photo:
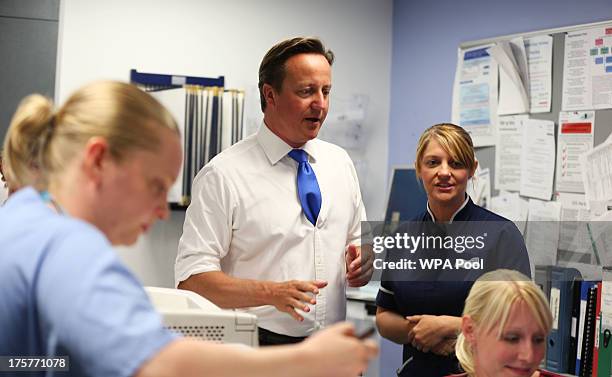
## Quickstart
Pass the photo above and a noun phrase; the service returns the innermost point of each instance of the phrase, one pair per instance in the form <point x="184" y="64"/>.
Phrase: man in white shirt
<point x="262" y="232"/>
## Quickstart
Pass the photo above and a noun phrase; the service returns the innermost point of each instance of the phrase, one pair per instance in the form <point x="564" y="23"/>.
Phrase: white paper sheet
<point x="587" y="69"/>
<point x="226" y="120"/>
<point x="175" y="101"/>
<point x="555" y="304"/>
<point x="606" y="298"/>
<point x="241" y="126"/>
<point x="508" y="152"/>
<point x="513" y="96"/>
<point x="539" y="61"/>
<point x="542" y="236"/>
<point x="538" y="159"/>
<point x="207" y="117"/>
<point x="574" y="240"/>
<point x="344" y="125"/>
<point x="600" y="231"/>
<point x="511" y="206"/>
<point x="475" y="95"/>
<point x="573" y="206"/>
<point x="479" y="189"/>
<point x="520" y="55"/>
<point x="575" y="138"/>
<point x="597" y="175"/>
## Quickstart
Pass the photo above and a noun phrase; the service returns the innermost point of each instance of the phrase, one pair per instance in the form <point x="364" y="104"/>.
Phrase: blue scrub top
<point x="65" y="293"/>
<point x="444" y="293"/>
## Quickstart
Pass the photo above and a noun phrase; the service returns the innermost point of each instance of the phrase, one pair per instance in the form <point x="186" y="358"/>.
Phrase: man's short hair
<point x="272" y="67"/>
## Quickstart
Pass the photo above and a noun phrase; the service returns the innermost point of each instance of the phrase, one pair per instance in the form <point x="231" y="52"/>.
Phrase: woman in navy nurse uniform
<point x="424" y="314"/>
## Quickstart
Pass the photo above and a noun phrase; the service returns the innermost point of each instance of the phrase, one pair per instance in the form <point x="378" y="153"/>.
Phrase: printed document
<point x="479" y="189"/>
<point x="542" y="236"/>
<point x="475" y="95"/>
<point x="511" y="206"/>
<point x="597" y="176"/>
<point x="574" y="241"/>
<point x="539" y="61"/>
<point x="574" y="139"/>
<point x="587" y="69"/>
<point x="538" y="159"/>
<point x="508" y="152"/>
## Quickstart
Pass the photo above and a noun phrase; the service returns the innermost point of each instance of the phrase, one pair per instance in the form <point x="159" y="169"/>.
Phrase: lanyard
<point x="47" y="198"/>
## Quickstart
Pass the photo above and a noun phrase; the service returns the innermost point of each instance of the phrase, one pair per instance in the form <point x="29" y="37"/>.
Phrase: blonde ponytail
<point x="27" y="136"/>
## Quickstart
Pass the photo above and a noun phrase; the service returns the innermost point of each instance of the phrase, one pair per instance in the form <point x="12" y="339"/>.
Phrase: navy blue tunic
<point x="407" y="294"/>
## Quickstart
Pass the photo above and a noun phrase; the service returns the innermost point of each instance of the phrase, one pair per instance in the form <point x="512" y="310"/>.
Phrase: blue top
<point x="65" y="293"/>
<point x="408" y="293"/>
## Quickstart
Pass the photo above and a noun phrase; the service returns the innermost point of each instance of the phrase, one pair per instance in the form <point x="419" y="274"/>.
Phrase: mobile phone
<point x="368" y="332"/>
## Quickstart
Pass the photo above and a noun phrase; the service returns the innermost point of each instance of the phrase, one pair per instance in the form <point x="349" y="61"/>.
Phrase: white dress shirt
<point x="245" y="219"/>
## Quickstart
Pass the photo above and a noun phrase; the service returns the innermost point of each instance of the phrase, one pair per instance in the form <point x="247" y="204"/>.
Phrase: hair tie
<point x="52" y="121"/>
<point x="48" y="132"/>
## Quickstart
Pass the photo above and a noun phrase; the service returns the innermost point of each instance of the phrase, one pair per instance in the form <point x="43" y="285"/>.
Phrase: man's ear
<point x="95" y="159"/>
<point x="269" y="94"/>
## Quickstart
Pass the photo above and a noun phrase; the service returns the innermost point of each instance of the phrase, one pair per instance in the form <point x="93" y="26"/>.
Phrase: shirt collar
<point x="465" y="202"/>
<point x="275" y="148"/>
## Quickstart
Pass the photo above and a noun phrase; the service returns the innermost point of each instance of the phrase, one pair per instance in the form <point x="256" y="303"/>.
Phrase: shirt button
<point x="320" y="224"/>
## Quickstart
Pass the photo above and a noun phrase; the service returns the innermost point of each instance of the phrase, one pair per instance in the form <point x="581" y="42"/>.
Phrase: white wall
<point x="105" y="39"/>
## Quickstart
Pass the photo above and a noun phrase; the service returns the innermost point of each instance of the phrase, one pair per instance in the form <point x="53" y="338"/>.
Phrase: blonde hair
<point x="489" y="303"/>
<point x="40" y="142"/>
<point x="453" y="139"/>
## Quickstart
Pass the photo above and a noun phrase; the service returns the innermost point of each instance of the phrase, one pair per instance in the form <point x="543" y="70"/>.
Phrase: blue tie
<point x="307" y="185"/>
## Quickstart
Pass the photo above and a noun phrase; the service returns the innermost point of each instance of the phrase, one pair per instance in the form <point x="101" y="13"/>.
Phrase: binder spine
<point x="586" y="358"/>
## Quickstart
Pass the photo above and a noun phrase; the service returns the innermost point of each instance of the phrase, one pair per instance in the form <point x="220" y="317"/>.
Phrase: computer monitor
<point x="406" y="198"/>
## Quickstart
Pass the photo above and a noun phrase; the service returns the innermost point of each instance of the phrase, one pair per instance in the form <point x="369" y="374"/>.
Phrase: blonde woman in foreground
<point x="504" y="327"/>
<point x="90" y="175"/>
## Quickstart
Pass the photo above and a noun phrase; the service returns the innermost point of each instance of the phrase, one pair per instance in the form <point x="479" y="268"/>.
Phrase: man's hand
<point x="359" y="266"/>
<point x="293" y="295"/>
